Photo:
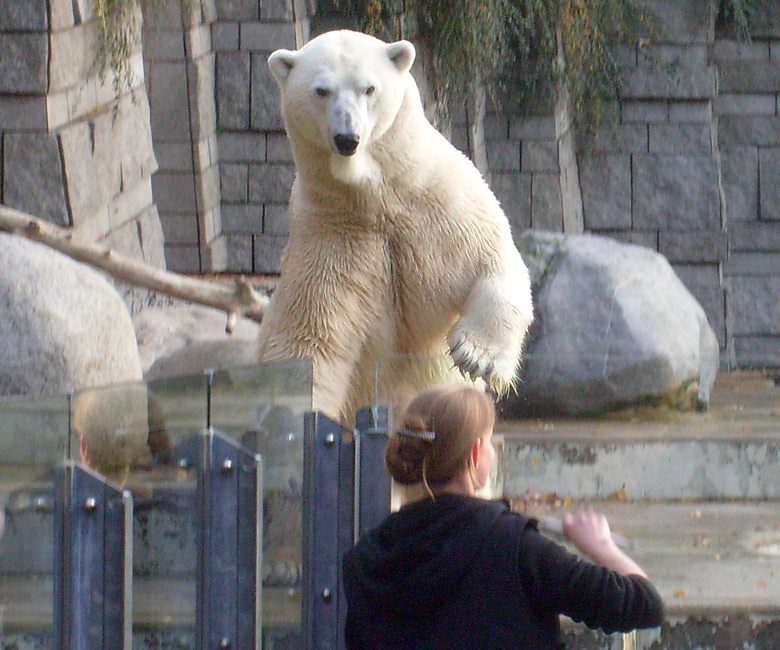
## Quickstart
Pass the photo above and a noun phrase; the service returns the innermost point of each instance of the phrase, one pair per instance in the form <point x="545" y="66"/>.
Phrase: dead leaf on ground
<point x="618" y="495"/>
<point x="700" y="541"/>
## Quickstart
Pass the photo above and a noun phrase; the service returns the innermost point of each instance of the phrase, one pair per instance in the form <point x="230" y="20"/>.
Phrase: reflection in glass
<point x="33" y="439"/>
<point x="263" y="408"/>
<point x="146" y="438"/>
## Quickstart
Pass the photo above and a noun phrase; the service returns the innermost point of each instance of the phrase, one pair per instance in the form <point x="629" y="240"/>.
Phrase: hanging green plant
<point x="574" y="42"/>
<point x="527" y="46"/>
<point x="119" y="34"/>
<point x="736" y="14"/>
<point x="468" y="41"/>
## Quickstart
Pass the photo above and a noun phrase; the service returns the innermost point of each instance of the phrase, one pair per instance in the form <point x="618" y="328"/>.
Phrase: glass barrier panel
<point x="146" y="438"/>
<point x="263" y="406"/>
<point x="33" y="440"/>
<point x="396" y="374"/>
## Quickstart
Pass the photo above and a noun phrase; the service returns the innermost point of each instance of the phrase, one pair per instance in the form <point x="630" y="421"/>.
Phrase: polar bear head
<point x="341" y="92"/>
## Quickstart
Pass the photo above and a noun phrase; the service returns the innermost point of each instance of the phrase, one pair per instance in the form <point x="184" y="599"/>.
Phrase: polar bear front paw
<point x="477" y="362"/>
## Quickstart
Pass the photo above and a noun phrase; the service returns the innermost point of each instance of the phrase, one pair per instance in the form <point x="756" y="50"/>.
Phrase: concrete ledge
<point x="704" y="558"/>
<point x="732" y="451"/>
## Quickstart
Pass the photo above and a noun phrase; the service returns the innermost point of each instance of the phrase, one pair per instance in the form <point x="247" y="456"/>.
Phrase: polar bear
<point x="396" y="245"/>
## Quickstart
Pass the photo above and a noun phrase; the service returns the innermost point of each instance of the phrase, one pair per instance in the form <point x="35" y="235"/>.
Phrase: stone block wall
<point x="73" y="151"/>
<point x="180" y="77"/>
<point x="685" y="162"/>
<point x="747" y="111"/>
<point x="256" y="166"/>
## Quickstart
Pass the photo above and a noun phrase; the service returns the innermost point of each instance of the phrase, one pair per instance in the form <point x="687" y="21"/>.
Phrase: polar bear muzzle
<point x="346" y="143"/>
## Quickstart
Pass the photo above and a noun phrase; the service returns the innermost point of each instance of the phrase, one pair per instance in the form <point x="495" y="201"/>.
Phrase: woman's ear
<point x="476" y="449"/>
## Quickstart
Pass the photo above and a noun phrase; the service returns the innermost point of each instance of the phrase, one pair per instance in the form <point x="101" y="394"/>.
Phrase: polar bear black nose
<point x="346" y="143"/>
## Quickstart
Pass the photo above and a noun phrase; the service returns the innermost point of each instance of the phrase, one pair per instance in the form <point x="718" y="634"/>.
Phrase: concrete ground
<point x="697" y="496"/>
<point x="705" y="558"/>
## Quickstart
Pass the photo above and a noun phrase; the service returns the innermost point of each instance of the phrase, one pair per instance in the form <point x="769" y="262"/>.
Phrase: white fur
<point x="400" y="247"/>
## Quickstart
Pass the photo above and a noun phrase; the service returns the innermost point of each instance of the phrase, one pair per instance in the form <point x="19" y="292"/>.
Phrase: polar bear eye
<point x="323" y="92"/>
<point x="370" y="90"/>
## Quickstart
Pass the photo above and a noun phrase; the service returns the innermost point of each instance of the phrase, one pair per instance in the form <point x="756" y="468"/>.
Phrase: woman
<point x="451" y="570"/>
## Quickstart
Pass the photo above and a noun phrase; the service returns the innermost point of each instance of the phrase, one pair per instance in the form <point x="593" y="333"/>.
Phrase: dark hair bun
<point x="404" y="458"/>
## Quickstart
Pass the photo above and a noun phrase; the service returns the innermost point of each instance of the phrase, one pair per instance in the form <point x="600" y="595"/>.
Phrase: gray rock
<point x="32" y="176"/>
<point x="695" y="246"/>
<point x="754" y="305"/>
<point x="540" y="156"/>
<point x="243" y="218"/>
<point x="546" y="204"/>
<point x="187" y="339"/>
<point x="680" y="138"/>
<point x="265" y="111"/>
<point x="614" y="326"/>
<point x="270" y="183"/>
<point x="765" y="20"/>
<point x="755" y="130"/>
<point x="739" y="176"/>
<point x="63" y="328"/>
<point x="276" y="10"/>
<point x="196" y="358"/>
<point x="24" y="64"/>
<point x="755" y="236"/>
<point x="514" y="193"/>
<point x="237" y="10"/>
<point x="678" y="22"/>
<point x="675" y="192"/>
<point x="749" y="76"/>
<point x="233" y="74"/>
<point x="29" y="16"/>
<point x="650" y="82"/>
<point x="769" y="193"/>
<point x="606" y="191"/>
<point x="268" y="252"/>
<point x="239" y="253"/>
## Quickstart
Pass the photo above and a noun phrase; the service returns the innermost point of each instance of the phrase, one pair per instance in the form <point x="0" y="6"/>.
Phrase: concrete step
<point x="731" y="451"/>
<point x="611" y="466"/>
<point x="716" y="565"/>
<point x="697" y="495"/>
<point x="705" y="558"/>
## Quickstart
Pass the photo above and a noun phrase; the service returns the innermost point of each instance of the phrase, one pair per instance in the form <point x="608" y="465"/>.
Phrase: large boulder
<point x="64" y="326"/>
<point x="187" y="339"/>
<point x="614" y="326"/>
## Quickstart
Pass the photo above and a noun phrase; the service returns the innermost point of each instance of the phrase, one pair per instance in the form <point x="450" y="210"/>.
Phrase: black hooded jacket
<point x="463" y="573"/>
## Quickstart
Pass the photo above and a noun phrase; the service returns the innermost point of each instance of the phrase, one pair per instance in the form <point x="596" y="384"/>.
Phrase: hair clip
<point x="429" y="436"/>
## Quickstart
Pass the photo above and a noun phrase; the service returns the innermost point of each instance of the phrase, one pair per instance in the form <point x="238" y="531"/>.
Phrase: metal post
<point x="328" y="486"/>
<point x="92" y="561"/>
<point x="373" y="482"/>
<point x="230" y="545"/>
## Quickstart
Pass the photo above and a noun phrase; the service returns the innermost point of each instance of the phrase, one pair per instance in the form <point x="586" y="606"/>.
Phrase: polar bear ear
<point x="281" y="62"/>
<point x="401" y="53"/>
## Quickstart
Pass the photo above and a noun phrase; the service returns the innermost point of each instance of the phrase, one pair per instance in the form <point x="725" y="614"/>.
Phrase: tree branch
<point x="240" y="299"/>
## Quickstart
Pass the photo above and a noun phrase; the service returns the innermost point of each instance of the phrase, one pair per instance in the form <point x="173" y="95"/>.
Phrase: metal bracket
<point x="230" y="532"/>
<point x="327" y="529"/>
<point x="373" y="484"/>
<point x="92" y="561"/>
